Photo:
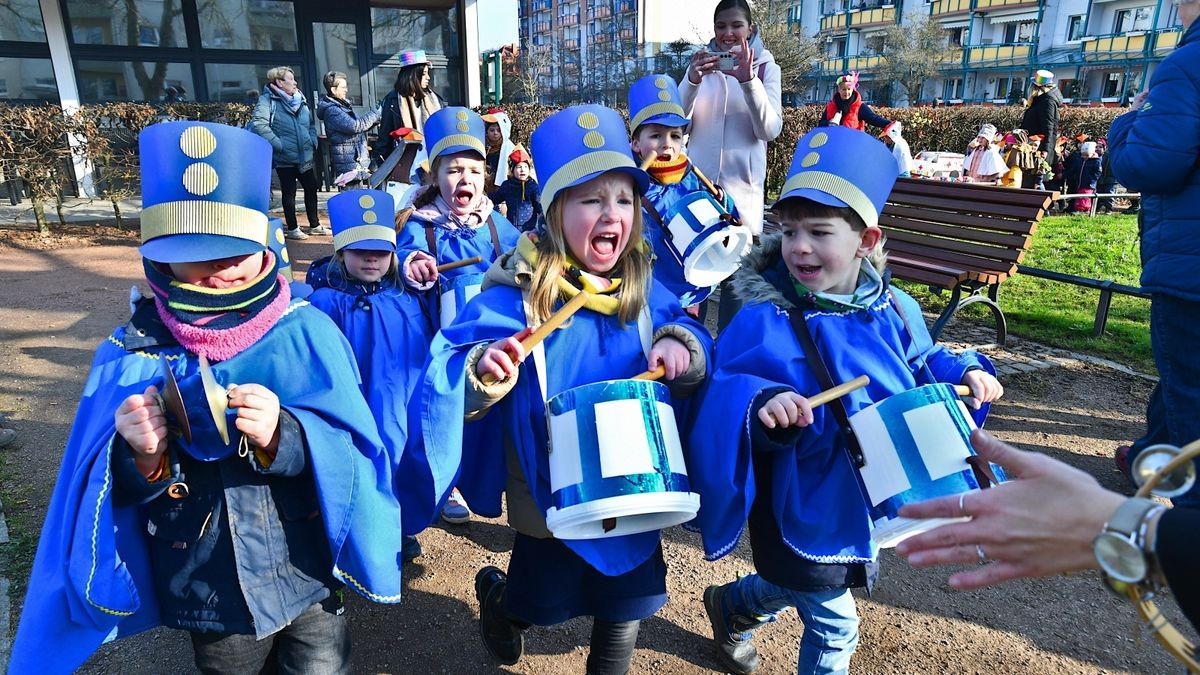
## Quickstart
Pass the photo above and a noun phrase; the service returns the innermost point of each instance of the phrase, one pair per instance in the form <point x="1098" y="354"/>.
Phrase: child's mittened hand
<point x="672" y="355"/>
<point x="501" y="358"/>
<point x="257" y="414"/>
<point x="422" y="268"/>
<point x="143" y="425"/>
<point x="985" y="388"/>
<point x="786" y="409"/>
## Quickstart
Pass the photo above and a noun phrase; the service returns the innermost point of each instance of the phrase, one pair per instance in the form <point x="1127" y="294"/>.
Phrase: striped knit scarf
<point x="219" y="323"/>
<point x="669" y="172"/>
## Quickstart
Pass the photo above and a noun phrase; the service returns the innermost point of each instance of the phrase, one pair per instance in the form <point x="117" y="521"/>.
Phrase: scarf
<point x="293" y="102"/>
<point x="843" y="104"/>
<point x="219" y="323"/>
<point x="870" y="288"/>
<point x="439" y="214"/>
<point x="604" y="299"/>
<point x="338" y="278"/>
<point x="669" y="172"/>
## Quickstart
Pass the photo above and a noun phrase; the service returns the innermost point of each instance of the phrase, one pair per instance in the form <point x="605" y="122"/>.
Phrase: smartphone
<point x="726" y="60"/>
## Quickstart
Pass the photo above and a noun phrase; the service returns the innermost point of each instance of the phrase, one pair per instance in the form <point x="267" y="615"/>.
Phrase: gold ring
<point x="962" y="505"/>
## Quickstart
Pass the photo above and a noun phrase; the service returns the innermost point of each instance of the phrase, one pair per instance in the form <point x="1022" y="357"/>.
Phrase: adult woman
<point x="408" y="104"/>
<point x="1153" y="150"/>
<point x="282" y="117"/>
<point x="1041" y="117"/>
<point x="847" y="108"/>
<point x="736" y="112"/>
<point x="346" y="131"/>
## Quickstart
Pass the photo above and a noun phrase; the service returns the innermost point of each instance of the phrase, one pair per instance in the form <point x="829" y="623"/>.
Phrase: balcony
<point x="1114" y="47"/>
<point x="539" y="5"/>
<point x="987" y="5"/>
<point x="626" y="6"/>
<point x="872" y="17"/>
<point x="999" y="55"/>
<point x="940" y="8"/>
<point x="955" y="61"/>
<point x="568" y="20"/>
<point x="834" y="23"/>
<point x="627" y="34"/>
<point x="863" y="63"/>
<point x="570" y="44"/>
<point x="599" y="12"/>
<point x="1166" y="38"/>
<point x="830" y="66"/>
<point x="541" y="27"/>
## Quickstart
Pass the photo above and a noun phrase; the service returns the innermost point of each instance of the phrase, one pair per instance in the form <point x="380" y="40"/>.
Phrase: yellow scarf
<point x="602" y="301"/>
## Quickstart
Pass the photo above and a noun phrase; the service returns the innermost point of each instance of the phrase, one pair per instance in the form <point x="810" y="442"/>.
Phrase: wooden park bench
<point x="961" y="237"/>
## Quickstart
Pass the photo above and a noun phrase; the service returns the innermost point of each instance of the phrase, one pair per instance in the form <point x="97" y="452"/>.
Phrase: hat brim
<point x="455" y="149"/>
<point x="667" y="120"/>
<point x="815" y="195"/>
<point x="182" y="248"/>
<point x="370" y="245"/>
<point x="641" y="178"/>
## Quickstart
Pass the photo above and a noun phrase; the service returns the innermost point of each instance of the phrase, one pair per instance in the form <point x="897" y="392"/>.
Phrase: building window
<point x="1128" y="20"/>
<point x="1110" y="86"/>
<point x="954" y="36"/>
<point x="952" y="88"/>
<point x="395" y="30"/>
<point x="155" y="23"/>
<point x="265" y="25"/>
<point x="240" y="82"/>
<point x="21" y="21"/>
<point x="1020" y="32"/>
<point x="132" y="80"/>
<point x="1075" y="27"/>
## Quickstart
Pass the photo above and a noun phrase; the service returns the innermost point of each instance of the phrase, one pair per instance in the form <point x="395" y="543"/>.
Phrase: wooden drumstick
<point x="650" y="159"/>
<point x="458" y="263"/>
<point x="652" y="374"/>
<point x="839" y="391"/>
<point x="962" y="390"/>
<point x="708" y="184"/>
<point x="541" y="332"/>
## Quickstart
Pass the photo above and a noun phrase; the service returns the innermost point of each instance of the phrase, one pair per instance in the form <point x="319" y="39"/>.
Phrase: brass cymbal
<point x="172" y="403"/>
<point x="218" y="400"/>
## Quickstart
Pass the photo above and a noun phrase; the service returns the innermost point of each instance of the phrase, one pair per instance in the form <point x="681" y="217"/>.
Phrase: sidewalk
<point x="84" y="210"/>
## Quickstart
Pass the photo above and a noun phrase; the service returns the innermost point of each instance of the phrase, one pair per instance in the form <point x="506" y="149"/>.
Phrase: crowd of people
<point x="341" y="417"/>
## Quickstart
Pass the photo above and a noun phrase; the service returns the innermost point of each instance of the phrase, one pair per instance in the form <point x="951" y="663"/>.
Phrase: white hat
<point x="1088" y="148"/>
<point x="987" y="131"/>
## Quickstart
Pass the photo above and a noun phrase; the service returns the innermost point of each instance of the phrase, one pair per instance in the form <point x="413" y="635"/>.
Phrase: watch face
<point x="1120" y="558"/>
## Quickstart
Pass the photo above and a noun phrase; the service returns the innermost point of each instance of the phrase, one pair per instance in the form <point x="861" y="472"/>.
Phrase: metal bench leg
<point x="1102" y="312"/>
<point x="1001" y="322"/>
<point x="943" y="319"/>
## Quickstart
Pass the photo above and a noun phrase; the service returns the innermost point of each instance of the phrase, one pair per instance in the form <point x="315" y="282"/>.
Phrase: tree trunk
<point x="116" y="210"/>
<point x="39" y="213"/>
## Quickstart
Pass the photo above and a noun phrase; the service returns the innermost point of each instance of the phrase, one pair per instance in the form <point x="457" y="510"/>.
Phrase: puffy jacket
<point x="1041" y="117"/>
<point x="858" y="117"/>
<point x="347" y="134"/>
<point x="292" y="133"/>
<point x="1155" y="151"/>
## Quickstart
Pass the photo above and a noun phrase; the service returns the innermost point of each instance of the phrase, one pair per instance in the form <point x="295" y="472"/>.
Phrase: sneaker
<point x="7" y="437"/>
<point x="319" y="229"/>
<point x="1121" y="457"/>
<point x="410" y="549"/>
<point x="735" y="650"/>
<point x="295" y="234"/>
<point x="455" y="510"/>
<point x="501" y="637"/>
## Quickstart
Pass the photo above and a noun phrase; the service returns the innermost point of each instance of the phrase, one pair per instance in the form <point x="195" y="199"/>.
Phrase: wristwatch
<point x="1120" y="548"/>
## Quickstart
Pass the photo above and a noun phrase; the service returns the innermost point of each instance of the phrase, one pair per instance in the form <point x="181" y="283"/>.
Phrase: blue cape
<point x="91" y="579"/>
<point x="590" y="349"/>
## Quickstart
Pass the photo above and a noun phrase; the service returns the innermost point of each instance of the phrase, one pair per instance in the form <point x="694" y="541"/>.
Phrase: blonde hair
<point x="392" y="274"/>
<point x="276" y="74"/>
<point x="633" y="265"/>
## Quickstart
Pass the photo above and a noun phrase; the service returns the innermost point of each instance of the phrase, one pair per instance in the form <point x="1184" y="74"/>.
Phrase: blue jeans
<point x="830" y="620"/>
<point x="1172" y="412"/>
<point x="315" y="643"/>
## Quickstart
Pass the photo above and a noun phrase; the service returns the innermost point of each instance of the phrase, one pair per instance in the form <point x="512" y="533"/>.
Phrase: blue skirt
<point x="549" y="584"/>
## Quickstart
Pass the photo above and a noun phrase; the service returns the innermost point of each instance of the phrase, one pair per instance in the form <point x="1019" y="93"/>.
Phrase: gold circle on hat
<point x="200" y="179"/>
<point x="463" y="126"/>
<point x="366" y="201"/>
<point x="588" y="120"/>
<point x="820" y="138"/>
<point x="810" y="159"/>
<point x="593" y="139"/>
<point x="283" y="255"/>
<point x="664" y="96"/>
<point x="661" y="81"/>
<point x="279" y="236"/>
<point x="197" y="142"/>
<point x="369" y="217"/>
<point x="462" y="115"/>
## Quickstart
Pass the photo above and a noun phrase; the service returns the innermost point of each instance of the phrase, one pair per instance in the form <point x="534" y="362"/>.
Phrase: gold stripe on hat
<point x="656" y="109"/>
<point x="838" y="187"/>
<point x="458" y="139"/>
<point x="358" y="233"/>
<point x="201" y="217"/>
<point x="592" y="162"/>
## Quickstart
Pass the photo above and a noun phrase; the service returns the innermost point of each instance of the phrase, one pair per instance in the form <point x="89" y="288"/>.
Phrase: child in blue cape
<point x="389" y="330"/>
<point x="240" y="519"/>
<point x="659" y="124"/>
<point x="631" y="323"/>
<point x="759" y="452"/>
<point x="453" y="220"/>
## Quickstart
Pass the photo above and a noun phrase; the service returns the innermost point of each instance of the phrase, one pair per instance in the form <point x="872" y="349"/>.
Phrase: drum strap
<point x="817" y="364"/>
<point x="431" y="240"/>
<point x="930" y="379"/>
<point x="655" y="216"/>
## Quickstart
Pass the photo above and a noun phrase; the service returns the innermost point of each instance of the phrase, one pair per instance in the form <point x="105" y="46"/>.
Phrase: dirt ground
<point x="64" y="295"/>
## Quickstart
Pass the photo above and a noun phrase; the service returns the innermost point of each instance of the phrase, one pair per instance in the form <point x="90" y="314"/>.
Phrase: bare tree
<point x="532" y="72"/>
<point x="913" y="52"/>
<point x="795" y="53"/>
<point x="674" y="57"/>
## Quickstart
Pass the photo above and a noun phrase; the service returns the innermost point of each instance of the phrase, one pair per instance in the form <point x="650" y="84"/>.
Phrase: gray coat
<point x="292" y="133"/>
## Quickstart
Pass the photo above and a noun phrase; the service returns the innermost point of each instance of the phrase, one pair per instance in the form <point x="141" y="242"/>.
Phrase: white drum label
<point x="564" y="454"/>
<point x="621" y="435"/>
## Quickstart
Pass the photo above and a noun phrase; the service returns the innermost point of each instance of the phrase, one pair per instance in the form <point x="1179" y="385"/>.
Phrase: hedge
<point x="33" y="139"/>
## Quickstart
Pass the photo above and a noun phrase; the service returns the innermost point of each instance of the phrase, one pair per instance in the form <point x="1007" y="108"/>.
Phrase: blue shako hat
<point x="842" y="167"/>
<point x="655" y="99"/>
<point x="452" y="130"/>
<point x="576" y="144"/>
<point x="363" y="219"/>
<point x="206" y="189"/>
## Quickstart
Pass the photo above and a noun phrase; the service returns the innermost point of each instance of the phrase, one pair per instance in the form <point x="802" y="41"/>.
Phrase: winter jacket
<point x="732" y="122"/>
<point x="398" y="112"/>
<point x="292" y="133"/>
<point x="523" y="202"/>
<point x="1155" y="151"/>
<point x="1081" y="173"/>
<point x="1041" y="117"/>
<point x="857" y="117"/>
<point x="347" y="134"/>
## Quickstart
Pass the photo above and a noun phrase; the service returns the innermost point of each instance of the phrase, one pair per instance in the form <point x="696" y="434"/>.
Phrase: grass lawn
<point x="1060" y="314"/>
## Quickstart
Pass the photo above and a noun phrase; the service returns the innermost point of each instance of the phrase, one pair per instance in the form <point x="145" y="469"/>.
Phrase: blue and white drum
<point x="456" y="293"/>
<point x="616" y="464"/>
<point x="705" y="242"/>
<point x="915" y="447"/>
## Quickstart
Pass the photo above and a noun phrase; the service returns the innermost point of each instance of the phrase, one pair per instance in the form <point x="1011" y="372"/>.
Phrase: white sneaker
<point x="320" y="229"/>
<point x="295" y="234"/>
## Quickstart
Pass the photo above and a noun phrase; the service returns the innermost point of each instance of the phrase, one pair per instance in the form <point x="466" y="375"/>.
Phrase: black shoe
<point x="736" y="650"/>
<point x="500" y="636"/>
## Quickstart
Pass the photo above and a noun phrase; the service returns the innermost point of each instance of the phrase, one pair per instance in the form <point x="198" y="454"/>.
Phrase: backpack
<point x="249" y="125"/>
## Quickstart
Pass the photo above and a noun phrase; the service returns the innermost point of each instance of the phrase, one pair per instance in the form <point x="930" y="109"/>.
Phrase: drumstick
<point x="652" y="374"/>
<point x="459" y="263"/>
<point x="839" y="391"/>
<point x="648" y="161"/>
<point x="557" y="319"/>
<point x="962" y="390"/>
<point x="704" y="179"/>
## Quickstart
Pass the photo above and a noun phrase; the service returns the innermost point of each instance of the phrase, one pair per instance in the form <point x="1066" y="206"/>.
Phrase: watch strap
<point x="1127" y="519"/>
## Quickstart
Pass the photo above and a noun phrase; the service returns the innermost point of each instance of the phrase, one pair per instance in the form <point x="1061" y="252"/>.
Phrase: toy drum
<point x="616" y="465"/>
<point x="916" y="446"/>
<point x="456" y="293"/>
<point x="705" y="242"/>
